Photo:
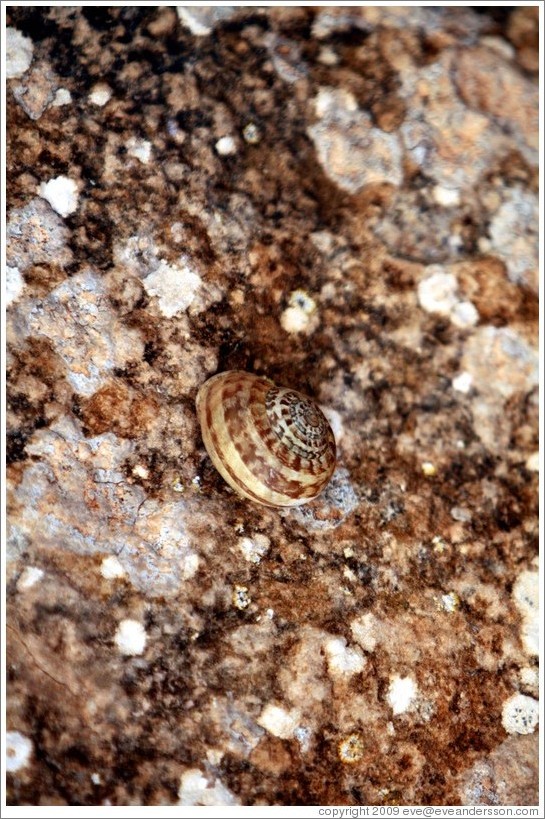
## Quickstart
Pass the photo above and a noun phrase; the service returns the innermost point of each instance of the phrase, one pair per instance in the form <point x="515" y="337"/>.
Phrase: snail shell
<point x="272" y="445"/>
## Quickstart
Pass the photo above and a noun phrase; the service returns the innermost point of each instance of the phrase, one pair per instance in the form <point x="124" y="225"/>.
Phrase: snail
<point x="272" y="445"/>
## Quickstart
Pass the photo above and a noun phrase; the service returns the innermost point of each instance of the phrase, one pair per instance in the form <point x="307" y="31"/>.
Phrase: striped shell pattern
<point x="272" y="445"/>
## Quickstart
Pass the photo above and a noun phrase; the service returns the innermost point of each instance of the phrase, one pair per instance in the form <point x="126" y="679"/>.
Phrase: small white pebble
<point x="14" y="284"/>
<point x="251" y="134"/>
<point x="110" y="568"/>
<point x="95" y="779"/>
<point x="532" y="462"/>
<point x="226" y="146"/>
<point x="279" y="722"/>
<point x="450" y="602"/>
<point x="401" y="693"/>
<point x="327" y="56"/>
<point x="62" y="97"/>
<point x="529" y="678"/>
<point x="29" y="577"/>
<point x="140" y="149"/>
<point x="18" y="751"/>
<point x="447" y="197"/>
<point x="130" y="637"/>
<point x="464" y="314"/>
<point x="463" y="382"/>
<point x="300" y="315"/>
<point x="61" y="193"/>
<point x="520" y="714"/>
<point x="100" y="94"/>
<point x="461" y="514"/>
<point x="429" y="469"/>
<point x="240" y="597"/>
<point x="19" y="50"/>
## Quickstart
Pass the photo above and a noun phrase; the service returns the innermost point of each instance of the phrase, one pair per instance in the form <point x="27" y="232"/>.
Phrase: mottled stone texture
<point x="344" y="200"/>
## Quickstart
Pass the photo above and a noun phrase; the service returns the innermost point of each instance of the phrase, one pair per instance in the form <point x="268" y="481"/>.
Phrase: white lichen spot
<point x="429" y="469"/>
<point x="174" y="285"/>
<point x="520" y="714"/>
<point x="18" y="751"/>
<point x="300" y="315"/>
<point x="140" y="149"/>
<point x="365" y="631"/>
<point x="450" y="602"/>
<point x="240" y="597"/>
<point x="61" y="193"/>
<point x="342" y="660"/>
<point x="111" y="568"/>
<point x="401" y="694"/>
<point x="351" y="749"/>
<point x="526" y="598"/>
<point x="463" y="382"/>
<point x="226" y="146"/>
<point x="196" y="789"/>
<point x="130" y="638"/>
<point x="254" y="548"/>
<point x="100" y="94"/>
<point x="14" y="284"/>
<point x="19" y="50"/>
<point x="62" y="97"/>
<point x="279" y="722"/>
<point x="29" y="577"/>
<point x="446" y="197"/>
<point x="251" y="134"/>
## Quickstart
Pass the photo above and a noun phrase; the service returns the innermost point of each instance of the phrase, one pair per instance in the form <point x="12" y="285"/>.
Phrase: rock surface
<point x="343" y="200"/>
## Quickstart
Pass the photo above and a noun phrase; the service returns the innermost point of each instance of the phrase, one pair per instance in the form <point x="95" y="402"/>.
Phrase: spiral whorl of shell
<point x="271" y="444"/>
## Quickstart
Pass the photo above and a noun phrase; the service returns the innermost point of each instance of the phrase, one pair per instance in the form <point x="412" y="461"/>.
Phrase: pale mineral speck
<point x="401" y="694"/>
<point x="520" y="714"/>
<point x="174" y="285"/>
<point x="140" y="149"/>
<point x="18" y="751"/>
<point x="196" y="788"/>
<point x="529" y="679"/>
<point x="526" y="598"/>
<point x="130" y="637"/>
<point x="514" y="236"/>
<point x="254" y="548"/>
<point x="342" y="660"/>
<point x="110" y="568"/>
<point x="226" y="146"/>
<point x="61" y="193"/>
<point x="95" y="779"/>
<point x="461" y="514"/>
<point x="29" y="577"/>
<point x="14" y="284"/>
<point x="19" y="50"/>
<point x="140" y="471"/>
<point x="463" y="382"/>
<point x="279" y="722"/>
<point x="100" y="94"/>
<point x="62" y="97"/>
<point x="327" y="56"/>
<point x="446" y="197"/>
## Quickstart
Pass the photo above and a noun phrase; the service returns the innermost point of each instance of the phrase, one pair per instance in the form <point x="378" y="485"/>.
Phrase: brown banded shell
<point x="272" y="445"/>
